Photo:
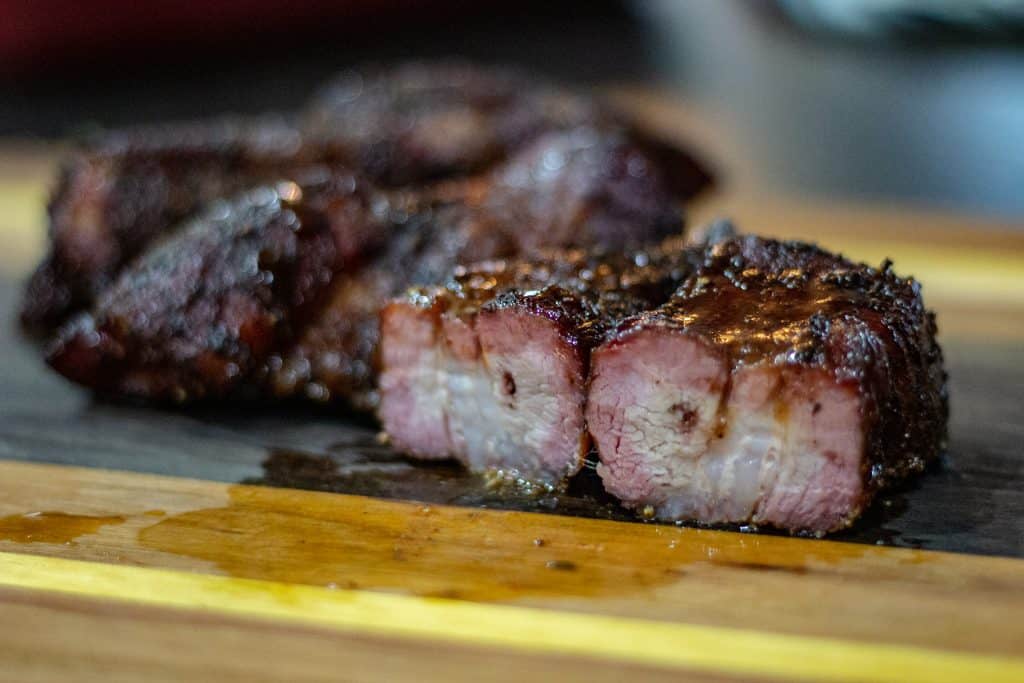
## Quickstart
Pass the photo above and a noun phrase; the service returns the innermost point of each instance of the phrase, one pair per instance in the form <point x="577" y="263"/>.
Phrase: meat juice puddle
<point x="444" y="547"/>
<point x="52" y="527"/>
<point x="369" y="468"/>
<point x="381" y="473"/>
<point x="278" y="532"/>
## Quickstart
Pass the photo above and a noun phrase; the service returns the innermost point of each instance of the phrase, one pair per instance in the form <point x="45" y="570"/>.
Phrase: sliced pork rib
<point x="780" y="385"/>
<point x="742" y="381"/>
<point x="492" y="368"/>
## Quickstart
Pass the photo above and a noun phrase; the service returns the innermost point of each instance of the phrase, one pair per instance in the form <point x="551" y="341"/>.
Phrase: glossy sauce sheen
<point x="585" y="292"/>
<point x="790" y="304"/>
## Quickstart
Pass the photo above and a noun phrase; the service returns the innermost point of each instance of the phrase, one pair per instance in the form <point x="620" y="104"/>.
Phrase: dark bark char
<point x="204" y="308"/>
<point x="405" y="127"/>
<point x="124" y="189"/>
<point x="780" y="385"/>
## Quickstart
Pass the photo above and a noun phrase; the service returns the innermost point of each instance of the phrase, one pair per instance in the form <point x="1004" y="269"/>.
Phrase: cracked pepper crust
<point x="792" y="304"/>
<point x="776" y="327"/>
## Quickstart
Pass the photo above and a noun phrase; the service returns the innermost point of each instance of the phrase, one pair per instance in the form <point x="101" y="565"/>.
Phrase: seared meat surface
<point x="405" y="127"/>
<point x="203" y="309"/>
<point x="125" y="188"/>
<point x="780" y="385"/>
<point x="742" y="381"/>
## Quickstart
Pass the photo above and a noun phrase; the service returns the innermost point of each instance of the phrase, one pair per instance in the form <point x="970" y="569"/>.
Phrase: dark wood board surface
<point x="971" y="502"/>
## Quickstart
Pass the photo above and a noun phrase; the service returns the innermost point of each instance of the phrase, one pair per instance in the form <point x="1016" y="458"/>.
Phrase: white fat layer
<point x="535" y="431"/>
<point x="413" y="389"/>
<point x="464" y="408"/>
<point x="783" y="454"/>
<point x="737" y="464"/>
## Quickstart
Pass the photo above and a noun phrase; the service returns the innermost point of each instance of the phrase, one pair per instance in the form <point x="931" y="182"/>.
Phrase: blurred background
<point x="916" y="102"/>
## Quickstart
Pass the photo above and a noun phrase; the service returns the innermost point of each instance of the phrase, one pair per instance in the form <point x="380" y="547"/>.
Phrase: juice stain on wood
<point x="52" y="527"/>
<point x="366" y="468"/>
<point x="369" y="470"/>
<point x="363" y="543"/>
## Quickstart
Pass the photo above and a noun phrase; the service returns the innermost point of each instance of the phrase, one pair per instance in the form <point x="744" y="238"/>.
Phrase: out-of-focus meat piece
<point x="384" y="242"/>
<point x="200" y="312"/>
<point x="567" y="182"/>
<point x="126" y="188"/>
<point x="423" y="121"/>
<point x="492" y="369"/>
<point x="429" y="120"/>
<point x="404" y="127"/>
<point x="584" y="194"/>
<point x="781" y="385"/>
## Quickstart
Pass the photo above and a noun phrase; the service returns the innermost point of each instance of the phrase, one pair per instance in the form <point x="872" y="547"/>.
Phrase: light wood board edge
<point x="704" y="648"/>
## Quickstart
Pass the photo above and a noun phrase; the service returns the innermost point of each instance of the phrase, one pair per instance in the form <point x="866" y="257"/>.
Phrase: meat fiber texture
<point x="760" y="382"/>
<point x="492" y="368"/>
<point x="406" y="127"/>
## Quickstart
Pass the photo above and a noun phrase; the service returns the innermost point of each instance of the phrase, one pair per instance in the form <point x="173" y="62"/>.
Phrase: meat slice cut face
<point x="492" y="368"/>
<point x="780" y="385"/>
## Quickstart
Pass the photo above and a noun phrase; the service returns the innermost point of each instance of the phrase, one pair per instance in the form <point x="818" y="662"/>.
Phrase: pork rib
<point x="202" y="310"/>
<point x="780" y="385"/>
<point x="742" y="381"/>
<point x="126" y="188"/>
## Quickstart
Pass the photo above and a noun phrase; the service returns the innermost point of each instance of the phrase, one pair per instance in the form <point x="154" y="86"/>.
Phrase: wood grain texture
<point x="48" y="636"/>
<point x="674" y="575"/>
<point x="527" y="631"/>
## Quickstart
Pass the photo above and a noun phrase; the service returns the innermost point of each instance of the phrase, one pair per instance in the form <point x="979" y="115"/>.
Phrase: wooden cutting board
<point x="130" y="548"/>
